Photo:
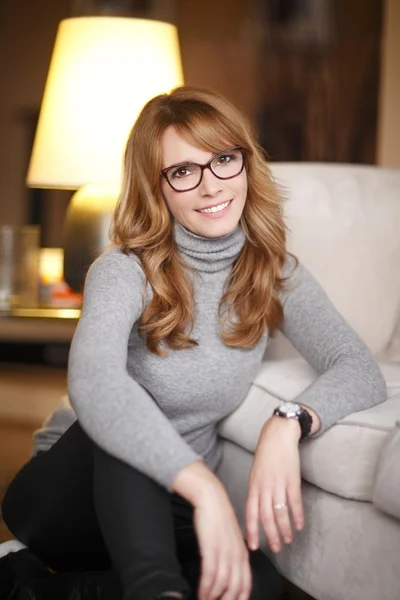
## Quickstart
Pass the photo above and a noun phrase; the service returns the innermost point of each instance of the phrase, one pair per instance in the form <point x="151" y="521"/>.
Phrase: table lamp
<point x="102" y="72"/>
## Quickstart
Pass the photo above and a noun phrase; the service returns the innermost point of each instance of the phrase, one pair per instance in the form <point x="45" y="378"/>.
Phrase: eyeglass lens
<point x="224" y="166"/>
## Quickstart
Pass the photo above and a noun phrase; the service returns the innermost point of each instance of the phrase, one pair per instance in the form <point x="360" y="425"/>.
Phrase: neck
<point x="209" y="254"/>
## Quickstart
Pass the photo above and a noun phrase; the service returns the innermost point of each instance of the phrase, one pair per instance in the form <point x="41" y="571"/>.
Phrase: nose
<point x="210" y="185"/>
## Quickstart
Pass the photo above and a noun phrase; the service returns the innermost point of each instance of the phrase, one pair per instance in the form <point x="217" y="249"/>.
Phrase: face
<point x="212" y="192"/>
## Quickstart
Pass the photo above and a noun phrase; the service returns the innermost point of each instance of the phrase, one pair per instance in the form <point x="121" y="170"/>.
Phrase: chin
<point x="219" y="229"/>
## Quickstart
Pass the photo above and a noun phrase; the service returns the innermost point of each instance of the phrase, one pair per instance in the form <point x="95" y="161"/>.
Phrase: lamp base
<point x="86" y="230"/>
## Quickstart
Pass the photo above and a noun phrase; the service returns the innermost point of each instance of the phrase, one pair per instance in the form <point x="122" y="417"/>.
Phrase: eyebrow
<point x="192" y="162"/>
<point x="182" y="164"/>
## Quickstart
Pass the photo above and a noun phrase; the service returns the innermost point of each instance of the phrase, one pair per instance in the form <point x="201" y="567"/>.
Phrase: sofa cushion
<point x="343" y="224"/>
<point x="386" y="492"/>
<point x="343" y="460"/>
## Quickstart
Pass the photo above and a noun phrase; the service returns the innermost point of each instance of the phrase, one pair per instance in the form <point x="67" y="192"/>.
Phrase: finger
<point x="296" y="504"/>
<point x="246" y="582"/>
<point x="252" y="518"/>
<point x="268" y="522"/>
<point x="221" y="580"/>
<point x="282" y="519"/>
<point x="209" y="567"/>
<point x="234" y="587"/>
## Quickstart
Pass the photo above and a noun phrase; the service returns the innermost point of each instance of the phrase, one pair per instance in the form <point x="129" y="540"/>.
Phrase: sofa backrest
<point x="344" y="226"/>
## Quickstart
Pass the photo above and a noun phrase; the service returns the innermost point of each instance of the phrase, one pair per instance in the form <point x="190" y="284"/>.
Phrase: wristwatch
<point x="292" y="410"/>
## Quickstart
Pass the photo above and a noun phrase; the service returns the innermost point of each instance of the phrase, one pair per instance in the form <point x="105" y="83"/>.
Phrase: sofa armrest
<point x="342" y="460"/>
<point x="386" y="491"/>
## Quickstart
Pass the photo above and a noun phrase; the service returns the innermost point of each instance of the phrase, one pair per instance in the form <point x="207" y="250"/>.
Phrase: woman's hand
<point x="275" y="485"/>
<point x="225" y="567"/>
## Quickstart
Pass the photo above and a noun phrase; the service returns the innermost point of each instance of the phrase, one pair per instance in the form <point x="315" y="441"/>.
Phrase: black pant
<point x="80" y="509"/>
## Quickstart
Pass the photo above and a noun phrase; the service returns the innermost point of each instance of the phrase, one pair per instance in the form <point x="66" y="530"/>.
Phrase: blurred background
<point x="318" y="79"/>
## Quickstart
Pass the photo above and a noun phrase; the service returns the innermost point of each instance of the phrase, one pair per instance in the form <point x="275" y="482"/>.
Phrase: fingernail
<point x="275" y="548"/>
<point x="299" y="525"/>
<point x="253" y="546"/>
<point x="288" y="540"/>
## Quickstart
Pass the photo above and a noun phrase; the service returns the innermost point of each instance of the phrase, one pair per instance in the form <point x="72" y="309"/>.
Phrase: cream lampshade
<point x="103" y="70"/>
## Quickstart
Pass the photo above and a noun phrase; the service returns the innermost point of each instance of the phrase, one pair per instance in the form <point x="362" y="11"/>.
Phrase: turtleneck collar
<point x="209" y="254"/>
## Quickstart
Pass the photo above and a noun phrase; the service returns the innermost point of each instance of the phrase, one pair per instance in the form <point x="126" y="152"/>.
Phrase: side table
<point x="38" y="325"/>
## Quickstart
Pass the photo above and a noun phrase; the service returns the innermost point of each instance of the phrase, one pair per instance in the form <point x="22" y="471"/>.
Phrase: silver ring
<point x="280" y="506"/>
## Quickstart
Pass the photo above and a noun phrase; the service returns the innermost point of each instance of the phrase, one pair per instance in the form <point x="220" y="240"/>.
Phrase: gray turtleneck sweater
<point x="160" y="414"/>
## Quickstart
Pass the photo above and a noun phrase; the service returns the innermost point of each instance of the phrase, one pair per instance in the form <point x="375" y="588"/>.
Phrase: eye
<point x="224" y="159"/>
<point x="181" y="172"/>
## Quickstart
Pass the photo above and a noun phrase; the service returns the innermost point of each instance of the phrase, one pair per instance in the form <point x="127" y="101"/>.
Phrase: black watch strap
<point x="305" y="420"/>
<point x="292" y="410"/>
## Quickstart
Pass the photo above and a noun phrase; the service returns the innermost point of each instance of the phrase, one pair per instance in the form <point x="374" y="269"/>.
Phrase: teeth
<point x="215" y="208"/>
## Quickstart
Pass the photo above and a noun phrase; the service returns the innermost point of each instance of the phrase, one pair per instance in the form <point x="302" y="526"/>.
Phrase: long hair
<point x="143" y="225"/>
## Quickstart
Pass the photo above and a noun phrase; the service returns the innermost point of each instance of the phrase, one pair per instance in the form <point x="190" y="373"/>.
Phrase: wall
<point x="388" y="151"/>
<point x="27" y="34"/>
<point x="220" y="48"/>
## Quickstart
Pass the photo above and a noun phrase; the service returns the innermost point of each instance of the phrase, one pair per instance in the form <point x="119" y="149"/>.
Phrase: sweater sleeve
<point x="117" y="413"/>
<point x="349" y="378"/>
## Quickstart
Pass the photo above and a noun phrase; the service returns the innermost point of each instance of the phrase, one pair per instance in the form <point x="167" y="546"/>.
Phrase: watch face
<point x="290" y="409"/>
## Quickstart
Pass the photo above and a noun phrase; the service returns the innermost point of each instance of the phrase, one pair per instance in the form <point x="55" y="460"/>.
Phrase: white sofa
<point x="344" y="223"/>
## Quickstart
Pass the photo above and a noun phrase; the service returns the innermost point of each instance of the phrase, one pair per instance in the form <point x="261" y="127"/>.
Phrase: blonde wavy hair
<point x="143" y="225"/>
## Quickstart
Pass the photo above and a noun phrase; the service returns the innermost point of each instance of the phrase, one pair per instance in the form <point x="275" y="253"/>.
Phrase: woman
<point x="175" y="321"/>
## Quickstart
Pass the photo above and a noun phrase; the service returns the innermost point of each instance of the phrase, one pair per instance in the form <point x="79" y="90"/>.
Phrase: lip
<point x="212" y="205"/>
<point x="220" y="214"/>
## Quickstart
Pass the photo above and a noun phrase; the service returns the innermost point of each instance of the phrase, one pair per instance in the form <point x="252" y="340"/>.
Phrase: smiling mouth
<point x="215" y="208"/>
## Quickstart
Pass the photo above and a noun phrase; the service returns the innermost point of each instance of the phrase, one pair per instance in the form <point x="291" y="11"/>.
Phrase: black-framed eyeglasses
<point x="186" y="176"/>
